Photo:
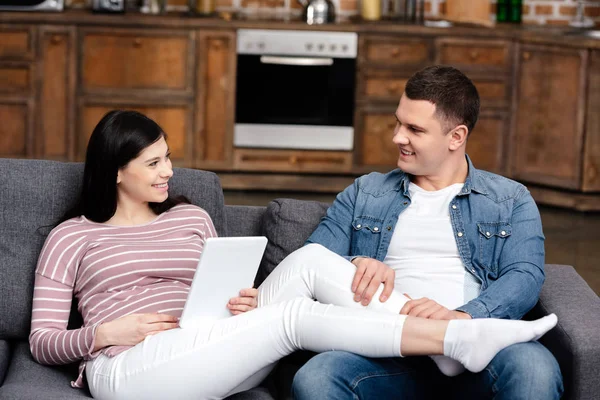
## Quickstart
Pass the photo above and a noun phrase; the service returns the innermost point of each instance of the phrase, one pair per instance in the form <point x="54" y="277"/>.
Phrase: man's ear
<point x="459" y="137"/>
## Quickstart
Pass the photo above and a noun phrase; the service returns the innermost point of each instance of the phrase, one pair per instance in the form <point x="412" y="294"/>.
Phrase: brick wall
<point x="552" y="12"/>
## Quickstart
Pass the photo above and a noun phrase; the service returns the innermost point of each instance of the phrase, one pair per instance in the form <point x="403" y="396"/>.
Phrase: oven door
<point x="32" y="5"/>
<point x="291" y="101"/>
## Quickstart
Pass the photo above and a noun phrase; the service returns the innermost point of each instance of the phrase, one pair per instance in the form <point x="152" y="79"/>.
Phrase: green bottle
<point x="514" y="12"/>
<point x="502" y="10"/>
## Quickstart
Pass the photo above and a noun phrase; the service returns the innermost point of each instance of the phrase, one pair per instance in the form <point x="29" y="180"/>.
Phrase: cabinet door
<point x="591" y="162"/>
<point x="485" y="145"/>
<point x="547" y="136"/>
<point x="374" y="146"/>
<point x="17" y="128"/>
<point x="174" y="120"/>
<point x="215" y="99"/>
<point x="146" y="62"/>
<point x="55" y="127"/>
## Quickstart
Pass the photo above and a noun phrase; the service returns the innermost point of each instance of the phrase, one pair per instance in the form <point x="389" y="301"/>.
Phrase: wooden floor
<point x="572" y="238"/>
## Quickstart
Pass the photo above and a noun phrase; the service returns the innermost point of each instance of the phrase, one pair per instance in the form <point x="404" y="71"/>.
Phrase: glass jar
<point x="202" y="7"/>
<point x="370" y="10"/>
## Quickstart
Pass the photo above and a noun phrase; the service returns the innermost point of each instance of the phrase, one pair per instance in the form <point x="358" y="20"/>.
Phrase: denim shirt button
<point x="459" y="234"/>
<point x="503" y="233"/>
<point x="487" y="234"/>
<point x="359" y="226"/>
<point x="376" y="229"/>
<point x="389" y="228"/>
<point x="405" y="203"/>
<point x="454" y="206"/>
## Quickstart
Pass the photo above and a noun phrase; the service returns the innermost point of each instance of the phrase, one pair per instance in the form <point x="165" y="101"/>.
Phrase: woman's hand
<point x="132" y="329"/>
<point x="247" y="301"/>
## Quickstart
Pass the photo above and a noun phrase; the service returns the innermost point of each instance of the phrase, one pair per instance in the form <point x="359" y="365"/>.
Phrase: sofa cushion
<point x="287" y="223"/>
<point x="34" y="195"/>
<point x="26" y="379"/>
<point x="4" y="359"/>
<point x="243" y="220"/>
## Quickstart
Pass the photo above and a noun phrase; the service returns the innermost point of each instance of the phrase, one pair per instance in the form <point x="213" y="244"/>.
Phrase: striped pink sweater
<point x="113" y="271"/>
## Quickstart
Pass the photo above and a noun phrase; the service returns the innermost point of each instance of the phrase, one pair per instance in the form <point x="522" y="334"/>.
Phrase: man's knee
<point x="529" y="368"/>
<point x="323" y="376"/>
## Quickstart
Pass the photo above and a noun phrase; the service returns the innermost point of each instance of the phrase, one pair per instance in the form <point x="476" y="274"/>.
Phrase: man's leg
<point x="524" y="371"/>
<point x="338" y="375"/>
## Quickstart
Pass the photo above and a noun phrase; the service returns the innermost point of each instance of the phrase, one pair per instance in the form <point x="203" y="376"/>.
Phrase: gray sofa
<point x="34" y="194"/>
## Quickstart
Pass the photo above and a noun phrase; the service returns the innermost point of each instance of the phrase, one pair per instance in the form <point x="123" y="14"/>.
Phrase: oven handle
<point x="303" y="61"/>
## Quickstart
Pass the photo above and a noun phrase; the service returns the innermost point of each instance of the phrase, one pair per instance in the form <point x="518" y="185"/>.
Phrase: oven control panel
<point x="297" y="43"/>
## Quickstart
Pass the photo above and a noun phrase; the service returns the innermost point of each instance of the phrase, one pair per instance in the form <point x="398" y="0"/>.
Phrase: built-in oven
<point x="31" y="5"/>
<point x="295" y="89"/>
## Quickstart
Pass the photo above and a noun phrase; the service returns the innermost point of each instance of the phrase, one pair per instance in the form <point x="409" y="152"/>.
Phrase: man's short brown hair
<point x="454" y="95"/>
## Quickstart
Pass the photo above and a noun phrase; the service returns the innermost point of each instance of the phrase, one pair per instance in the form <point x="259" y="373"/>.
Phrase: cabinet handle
<point x="55" y="39"/>
<point x="137" y="42"/>
<point x="526" y="55"/>
<point x="474" y="54"/>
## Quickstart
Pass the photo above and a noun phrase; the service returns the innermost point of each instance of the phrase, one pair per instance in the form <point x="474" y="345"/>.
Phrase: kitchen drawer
<point x="175" y="120"/>
<point x="16" y="43"/>
<point x="136" y="60"/>
<point x="376" y="136"/>
<point x="292" y="160"/>
<point x="492" y="93"/>
<point x="401" y="52"/>
<point x="478" y="53"/>
<point x="384" y="87"/>
<point x="15" y="78"/>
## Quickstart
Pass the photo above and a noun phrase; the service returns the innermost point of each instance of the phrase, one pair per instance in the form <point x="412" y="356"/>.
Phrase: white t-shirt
<point x="424" y="253"/>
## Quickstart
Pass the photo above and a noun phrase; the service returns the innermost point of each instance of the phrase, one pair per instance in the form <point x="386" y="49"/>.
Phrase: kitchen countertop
<point x="564" y="36"/>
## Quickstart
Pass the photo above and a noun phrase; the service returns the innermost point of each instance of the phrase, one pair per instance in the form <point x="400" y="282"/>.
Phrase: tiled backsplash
<point x="552" y="12"/>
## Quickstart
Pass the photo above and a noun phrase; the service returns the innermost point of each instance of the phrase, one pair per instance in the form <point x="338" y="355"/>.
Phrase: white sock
<point x="474" y="343"/>
<point x="448" y="366"/>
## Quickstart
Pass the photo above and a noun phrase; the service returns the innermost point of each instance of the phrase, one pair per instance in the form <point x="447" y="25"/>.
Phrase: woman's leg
<point x="234" y="354"/>
<point x="315" y="272"/>
<point x="224" y="357"/>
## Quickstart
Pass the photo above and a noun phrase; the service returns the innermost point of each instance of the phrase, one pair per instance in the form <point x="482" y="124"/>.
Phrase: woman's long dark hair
<point x="119" y="137"/>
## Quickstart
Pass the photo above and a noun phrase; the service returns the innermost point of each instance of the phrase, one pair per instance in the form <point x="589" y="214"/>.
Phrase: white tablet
<point x="227" y="265"/>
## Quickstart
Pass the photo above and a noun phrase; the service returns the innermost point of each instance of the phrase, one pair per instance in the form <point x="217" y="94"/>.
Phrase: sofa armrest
<point x="575" y="342"/>
<point x="4" y="359"/>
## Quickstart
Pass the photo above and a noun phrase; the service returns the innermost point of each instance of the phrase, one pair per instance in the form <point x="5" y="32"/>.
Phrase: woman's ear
<point x="118" y="177"/>
<point x="459" y="137"/>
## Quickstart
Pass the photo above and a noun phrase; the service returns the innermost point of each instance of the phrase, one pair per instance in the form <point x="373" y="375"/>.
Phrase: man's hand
<point x="427" y="308"/>
<point x="371" y="273"/>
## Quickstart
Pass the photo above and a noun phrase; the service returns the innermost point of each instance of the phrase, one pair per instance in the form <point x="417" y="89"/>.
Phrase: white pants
<point x="235" y="354"/>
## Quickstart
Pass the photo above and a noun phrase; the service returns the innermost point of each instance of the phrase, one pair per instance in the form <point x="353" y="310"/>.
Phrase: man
<point x="459" y="242"/>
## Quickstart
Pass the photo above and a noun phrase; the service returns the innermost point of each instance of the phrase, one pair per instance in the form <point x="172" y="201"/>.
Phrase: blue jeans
<point x="522" y="371"/>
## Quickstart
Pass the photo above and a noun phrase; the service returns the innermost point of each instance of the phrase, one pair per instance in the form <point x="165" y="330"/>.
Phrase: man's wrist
<point x="462" y="315"/>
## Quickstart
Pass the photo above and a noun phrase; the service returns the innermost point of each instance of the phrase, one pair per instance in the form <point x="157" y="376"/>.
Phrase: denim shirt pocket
<point x="492" y="236"/>
<point x="366" y="235"/>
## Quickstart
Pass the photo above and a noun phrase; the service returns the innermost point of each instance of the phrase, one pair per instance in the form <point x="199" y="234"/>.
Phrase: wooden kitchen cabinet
<point x="547" y="138"/>
<point x="145" y="61"/>
<point x="175" y="120"/>
<point x="17" y="90"/>
<point x="215" y="103"/>
<point x="591" y="158"/>
<point x="54" y="130"/>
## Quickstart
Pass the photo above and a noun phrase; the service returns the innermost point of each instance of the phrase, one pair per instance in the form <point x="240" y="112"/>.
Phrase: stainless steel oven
<point x="295" y="89"/>
<point x="31" y="5"/>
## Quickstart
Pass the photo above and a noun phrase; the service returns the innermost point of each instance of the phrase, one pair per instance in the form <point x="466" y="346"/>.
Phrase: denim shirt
<point x="496" y="224"/>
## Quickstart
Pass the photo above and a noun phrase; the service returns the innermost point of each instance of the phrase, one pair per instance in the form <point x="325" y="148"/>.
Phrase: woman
<point x="128" y="252"/>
